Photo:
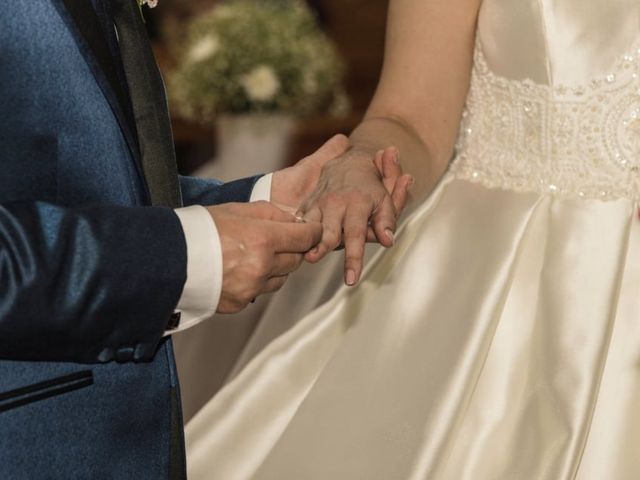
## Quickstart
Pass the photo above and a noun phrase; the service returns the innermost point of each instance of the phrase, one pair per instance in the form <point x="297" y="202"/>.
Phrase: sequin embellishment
<point x="580" y="140"/>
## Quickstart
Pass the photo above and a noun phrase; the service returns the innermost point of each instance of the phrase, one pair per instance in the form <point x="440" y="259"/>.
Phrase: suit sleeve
<point x="202" y="191"/>
<point x="91" y="284"/>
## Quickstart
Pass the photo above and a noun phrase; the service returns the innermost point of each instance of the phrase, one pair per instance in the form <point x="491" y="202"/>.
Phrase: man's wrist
<point x="203" y="287"/>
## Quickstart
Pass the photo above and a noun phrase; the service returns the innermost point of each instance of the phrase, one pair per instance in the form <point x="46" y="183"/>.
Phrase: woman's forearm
<point x="424" y="83"/>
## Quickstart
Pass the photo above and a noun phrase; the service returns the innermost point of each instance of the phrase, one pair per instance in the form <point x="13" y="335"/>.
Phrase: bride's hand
<point x="358" y="197"/>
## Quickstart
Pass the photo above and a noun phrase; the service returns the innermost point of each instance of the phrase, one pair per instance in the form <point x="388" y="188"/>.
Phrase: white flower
<point x="310" y="82"/>
<point x="204" y="48"/>
<point x="149" y="3"/>
<point x="261" y="84"/>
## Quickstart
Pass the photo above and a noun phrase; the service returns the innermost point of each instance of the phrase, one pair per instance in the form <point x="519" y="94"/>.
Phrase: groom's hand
<point x="291" y="186"/>
<point x="261" y="246"/>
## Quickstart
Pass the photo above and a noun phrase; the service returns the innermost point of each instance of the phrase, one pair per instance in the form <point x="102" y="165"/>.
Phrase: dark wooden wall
<point x="357" y="27"/>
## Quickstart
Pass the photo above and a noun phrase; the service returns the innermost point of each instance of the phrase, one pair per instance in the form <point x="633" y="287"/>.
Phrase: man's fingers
<point x="371" y="235"/>
<point x="314" y="214"/>
<point x="267" y="211"/>
<point x="355" y="235"/>
<point x="286" y="263"/>
<point x="294" y="237"/>
<point x="332" y="218"/>
<point x="384" y="222"/>
<point x="287" y="209"/>
<point x="274" y="284"/>
<point x="334" y="147"/>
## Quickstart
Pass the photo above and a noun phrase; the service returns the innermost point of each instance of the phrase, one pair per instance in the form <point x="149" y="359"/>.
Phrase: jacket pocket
<point x="47" y="389"/>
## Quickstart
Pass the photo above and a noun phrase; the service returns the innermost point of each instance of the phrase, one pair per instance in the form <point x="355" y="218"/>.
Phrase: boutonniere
<point x="148" y="3"/>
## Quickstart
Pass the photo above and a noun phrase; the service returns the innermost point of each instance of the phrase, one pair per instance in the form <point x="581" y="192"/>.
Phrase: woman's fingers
<point x="357" y="203"/>
<point x="377" y="160"/>
<point x="390" y="168"/>
<point x="383" y="222"/>
<point x="400" y="193"/>
<point x="384" y="219"/>
<point x="399" y="198"/>
<point x="355" y="235"/>
<point x="332" y="215"/>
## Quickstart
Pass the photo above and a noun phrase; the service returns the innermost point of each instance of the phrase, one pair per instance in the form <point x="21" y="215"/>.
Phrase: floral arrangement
<point x="256" y="56"/>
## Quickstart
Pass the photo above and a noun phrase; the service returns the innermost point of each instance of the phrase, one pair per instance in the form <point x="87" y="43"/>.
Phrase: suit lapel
<point x="84" y="24"/>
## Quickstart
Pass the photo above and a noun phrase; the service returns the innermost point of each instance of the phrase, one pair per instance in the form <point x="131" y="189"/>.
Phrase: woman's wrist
<point x="416" y="155"/>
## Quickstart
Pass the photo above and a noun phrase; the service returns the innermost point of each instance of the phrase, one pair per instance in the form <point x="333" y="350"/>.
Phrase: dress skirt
<point x="498" y="339"/>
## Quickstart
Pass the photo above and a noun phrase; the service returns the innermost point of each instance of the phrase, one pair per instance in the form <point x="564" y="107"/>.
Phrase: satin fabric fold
<point x="432" y="368"/>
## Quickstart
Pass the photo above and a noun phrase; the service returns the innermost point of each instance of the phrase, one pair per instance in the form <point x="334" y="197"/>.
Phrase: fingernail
<point x="411" y="182"/>
<point x="390" y="235"/>
<point x="351" y="278"/>
<point x="396" y="157"/>
<point x="314" y="250"/>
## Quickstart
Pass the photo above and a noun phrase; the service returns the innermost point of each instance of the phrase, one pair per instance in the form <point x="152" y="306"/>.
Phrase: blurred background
<point x="255" y="85"/>
<point x="354" y="27"/>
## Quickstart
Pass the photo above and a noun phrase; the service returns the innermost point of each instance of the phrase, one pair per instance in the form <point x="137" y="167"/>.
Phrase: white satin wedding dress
<point x="500" y="337"/>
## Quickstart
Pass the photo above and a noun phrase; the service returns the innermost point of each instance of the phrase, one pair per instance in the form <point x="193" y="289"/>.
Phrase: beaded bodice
<point x="572" y="139"/>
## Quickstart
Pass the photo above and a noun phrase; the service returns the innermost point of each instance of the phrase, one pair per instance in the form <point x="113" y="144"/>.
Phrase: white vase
<point x="248" y="145"/>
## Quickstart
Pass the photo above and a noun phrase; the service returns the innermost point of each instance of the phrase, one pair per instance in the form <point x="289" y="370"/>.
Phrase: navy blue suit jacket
<point x="89" y="272"/>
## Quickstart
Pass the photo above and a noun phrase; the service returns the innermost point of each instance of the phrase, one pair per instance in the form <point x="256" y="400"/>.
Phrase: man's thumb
<point x="334" y="147"/>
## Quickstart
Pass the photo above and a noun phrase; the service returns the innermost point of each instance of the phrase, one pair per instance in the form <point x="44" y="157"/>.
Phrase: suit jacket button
<point x="106" y="355"/>
<point x="124" y="354"/>
<point x="174" y="321"/>
<point x="143" y="352"/>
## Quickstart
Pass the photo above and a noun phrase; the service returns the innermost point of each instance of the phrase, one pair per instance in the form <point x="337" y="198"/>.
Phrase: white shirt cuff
<point x="203" y="287"/>
<point x="262" y="189"/>
<point x="202" y="290"/>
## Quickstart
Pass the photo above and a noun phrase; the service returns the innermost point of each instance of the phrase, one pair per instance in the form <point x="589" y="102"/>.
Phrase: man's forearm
<point x="82" y="284"/>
